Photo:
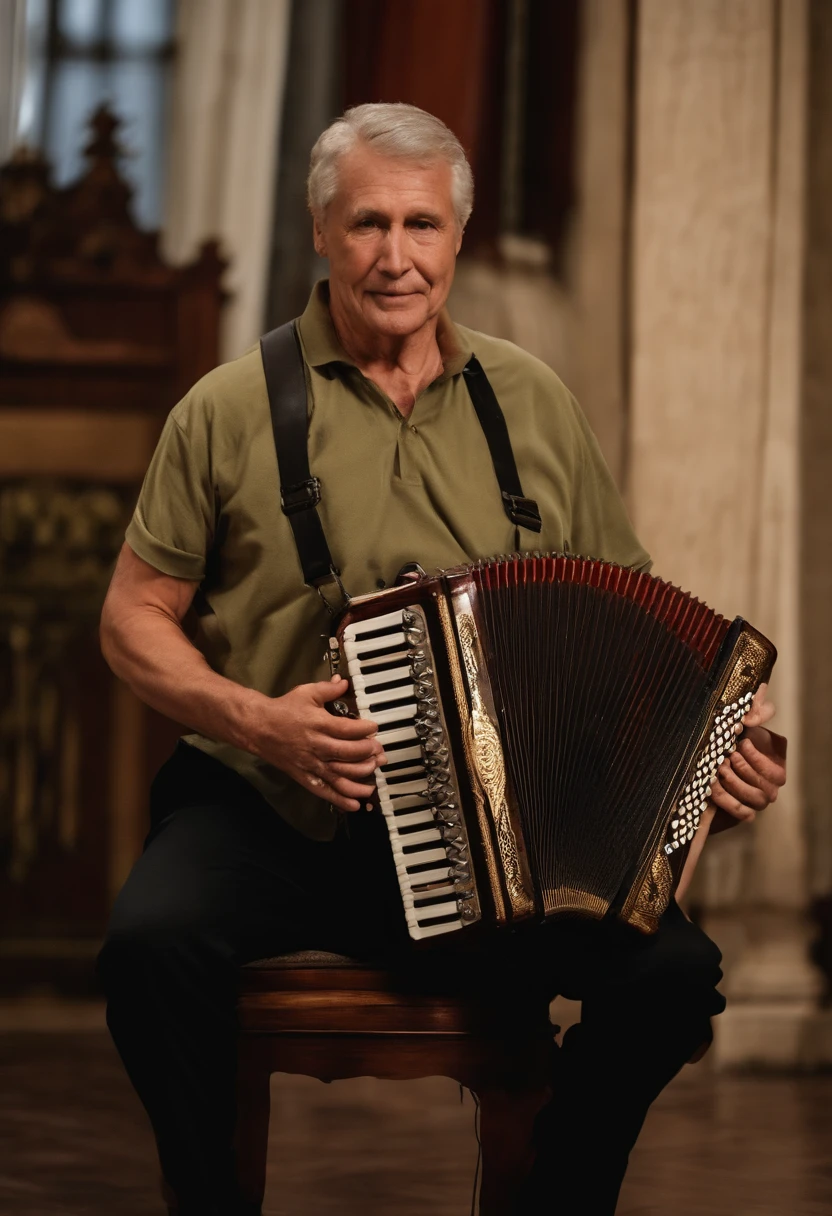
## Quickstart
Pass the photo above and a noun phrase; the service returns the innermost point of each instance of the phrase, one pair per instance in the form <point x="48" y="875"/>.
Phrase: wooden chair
<point x="330" y="1017"/>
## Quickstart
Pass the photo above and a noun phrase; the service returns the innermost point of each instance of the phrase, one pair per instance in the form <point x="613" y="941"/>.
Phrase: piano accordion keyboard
<point x="380" y="666"/>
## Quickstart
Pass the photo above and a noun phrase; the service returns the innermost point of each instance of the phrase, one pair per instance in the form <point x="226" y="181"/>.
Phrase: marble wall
<point x="726" y="435"/>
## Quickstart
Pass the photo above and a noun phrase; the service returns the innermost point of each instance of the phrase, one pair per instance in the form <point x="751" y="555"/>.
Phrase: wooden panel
<point x="57" y="866"/>
<point x="99" y="337"/>
<point x="78" y="443"/>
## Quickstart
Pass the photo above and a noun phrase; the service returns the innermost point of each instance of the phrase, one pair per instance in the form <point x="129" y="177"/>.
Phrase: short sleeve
<point x="174" y="521"/>
<point x="600" y="525"/>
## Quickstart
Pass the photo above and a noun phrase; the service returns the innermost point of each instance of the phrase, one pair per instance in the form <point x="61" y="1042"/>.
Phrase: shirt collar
<point x="322" y="346"/>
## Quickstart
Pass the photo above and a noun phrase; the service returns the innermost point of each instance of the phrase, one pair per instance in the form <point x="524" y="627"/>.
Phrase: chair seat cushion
<point x="303" y="959"/>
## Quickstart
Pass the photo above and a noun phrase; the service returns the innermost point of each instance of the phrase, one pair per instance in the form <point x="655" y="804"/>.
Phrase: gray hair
<point x="393" y="129"/>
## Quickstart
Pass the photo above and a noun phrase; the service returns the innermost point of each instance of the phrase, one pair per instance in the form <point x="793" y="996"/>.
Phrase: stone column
<point x="715" y="409"/>
<point x="600" y="248"/>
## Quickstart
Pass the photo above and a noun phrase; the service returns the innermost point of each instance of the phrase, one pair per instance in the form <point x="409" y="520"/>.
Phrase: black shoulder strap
<point x="520" y="510"/>
<point x="300" y="492"/>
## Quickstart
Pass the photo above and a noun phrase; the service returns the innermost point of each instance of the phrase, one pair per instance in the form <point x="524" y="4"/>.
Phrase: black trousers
<point x="223" y="880"/>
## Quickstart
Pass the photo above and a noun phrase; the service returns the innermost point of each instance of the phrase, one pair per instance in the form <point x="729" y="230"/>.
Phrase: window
<point x="81" y="53"/>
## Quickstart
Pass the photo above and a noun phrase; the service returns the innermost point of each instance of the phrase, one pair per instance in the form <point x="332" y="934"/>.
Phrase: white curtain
<point x="225" y="125"/>
<point x="12" y="70"/>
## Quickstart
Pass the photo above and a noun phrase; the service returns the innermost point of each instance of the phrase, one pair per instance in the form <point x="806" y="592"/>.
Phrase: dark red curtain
<point x="449" y="57"/>
<point x="445" y="56"/>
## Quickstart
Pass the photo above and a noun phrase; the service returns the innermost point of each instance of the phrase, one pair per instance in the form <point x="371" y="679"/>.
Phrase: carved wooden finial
<point x="104" y="144"/>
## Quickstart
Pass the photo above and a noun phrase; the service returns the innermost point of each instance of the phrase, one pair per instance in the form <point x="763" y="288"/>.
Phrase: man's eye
<point x="422" y="225"/>
<point x="368" y="223"/>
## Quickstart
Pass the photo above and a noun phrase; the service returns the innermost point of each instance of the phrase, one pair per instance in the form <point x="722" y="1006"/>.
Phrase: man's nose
<point x="395" y="258"/>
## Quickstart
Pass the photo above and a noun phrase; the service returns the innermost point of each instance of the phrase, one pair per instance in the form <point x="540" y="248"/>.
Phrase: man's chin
<point x="399" y="315"/>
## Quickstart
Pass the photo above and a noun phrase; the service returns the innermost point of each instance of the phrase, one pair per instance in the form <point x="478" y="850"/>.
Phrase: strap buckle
<point x="300" y="497"/>
<point x="522" y="511"/>
<point x="334" y="576"/>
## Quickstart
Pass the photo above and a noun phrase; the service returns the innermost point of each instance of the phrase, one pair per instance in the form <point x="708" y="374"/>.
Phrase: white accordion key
<point x="397" y="791"/>
<point x="373" y="680"/>
<point x="414" y="841"/>
<point x="400" y="713"/>
<point x="434" y="893"/>
<point x="406" y="862"/>
<point x="405" y="753"/>
<point x="429" y="877"/>
<point x="429" y="912"/>
<point x="427" y="900"/>
<point x="417" y="817"/>
<point x="419" y="931"/>
<point x="401" y="734"/>
<point x="405" y="802"/>
<point x="401" y="767"/>
<point x="371" y="699"/>
<point x="391" y="621"/>
<point x="374" y="647"/>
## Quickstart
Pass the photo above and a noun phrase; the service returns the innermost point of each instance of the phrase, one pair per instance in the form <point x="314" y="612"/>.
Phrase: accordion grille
<point x="601" y="676"/>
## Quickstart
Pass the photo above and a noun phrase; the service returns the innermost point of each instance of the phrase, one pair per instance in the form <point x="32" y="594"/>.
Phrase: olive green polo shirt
<point x="395" y="490"/>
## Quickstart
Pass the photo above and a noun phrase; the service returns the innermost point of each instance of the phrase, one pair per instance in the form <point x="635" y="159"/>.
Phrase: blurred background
<point x="652" y="219"/>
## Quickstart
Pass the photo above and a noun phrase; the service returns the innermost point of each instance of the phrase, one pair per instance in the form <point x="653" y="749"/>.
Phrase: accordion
<point x="552" y="726"/>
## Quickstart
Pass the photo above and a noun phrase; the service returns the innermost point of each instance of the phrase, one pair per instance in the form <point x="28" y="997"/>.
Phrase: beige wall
<point x="724" y="233"/>
<point x="701" y="267"/>
<point x="600" y="252"/>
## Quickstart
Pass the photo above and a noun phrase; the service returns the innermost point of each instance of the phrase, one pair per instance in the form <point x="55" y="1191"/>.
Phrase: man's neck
<point x="401" y="365"/>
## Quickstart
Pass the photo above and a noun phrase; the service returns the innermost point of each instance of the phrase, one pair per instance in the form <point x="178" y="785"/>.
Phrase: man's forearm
<point x="151" y="654"/>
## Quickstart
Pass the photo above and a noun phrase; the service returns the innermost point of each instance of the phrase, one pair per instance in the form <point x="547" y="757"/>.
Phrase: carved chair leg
<point x="251" y="1137"/>
<point x="506" y="1124"/>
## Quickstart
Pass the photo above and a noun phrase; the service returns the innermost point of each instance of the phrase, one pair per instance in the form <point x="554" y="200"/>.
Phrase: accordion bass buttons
<point x="721" y="741"/>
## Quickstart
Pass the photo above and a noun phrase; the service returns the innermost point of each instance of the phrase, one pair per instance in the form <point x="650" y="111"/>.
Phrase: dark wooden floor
<point x="73" y="1141"/>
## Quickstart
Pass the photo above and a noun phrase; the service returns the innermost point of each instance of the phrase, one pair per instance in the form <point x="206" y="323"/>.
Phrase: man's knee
<point x="692" y="958"/>
<point x="686" y="970"/>
<point x="156" y="943"/>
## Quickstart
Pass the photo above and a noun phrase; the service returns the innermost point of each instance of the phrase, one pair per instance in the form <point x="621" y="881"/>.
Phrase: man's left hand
<point x="750" y="778"/>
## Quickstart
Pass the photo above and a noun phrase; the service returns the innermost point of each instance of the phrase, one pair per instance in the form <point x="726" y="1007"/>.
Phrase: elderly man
<point x="253" y="848"/>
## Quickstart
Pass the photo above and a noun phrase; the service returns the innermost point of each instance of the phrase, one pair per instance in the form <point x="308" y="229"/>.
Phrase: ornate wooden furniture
<point x="329" y="1017"/>
<point x="99" y="337"/>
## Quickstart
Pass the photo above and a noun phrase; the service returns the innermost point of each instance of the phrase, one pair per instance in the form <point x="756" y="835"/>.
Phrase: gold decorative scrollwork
<point x="467" y="737"/>
<point x="488" y="767"/>
<point x="754" y="659"/>
<point x="653" y="897"/>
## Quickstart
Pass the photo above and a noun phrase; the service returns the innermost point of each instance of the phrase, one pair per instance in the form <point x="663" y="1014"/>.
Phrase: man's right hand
<point x="144" y="643"/>
<point x="328" y="755"/>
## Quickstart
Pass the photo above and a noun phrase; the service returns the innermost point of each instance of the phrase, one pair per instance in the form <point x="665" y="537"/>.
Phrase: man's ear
<point x="460" y="235"/>
<point x="318" y="238"/>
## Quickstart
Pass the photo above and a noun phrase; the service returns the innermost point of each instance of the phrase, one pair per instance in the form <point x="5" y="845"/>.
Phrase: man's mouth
<point x="395" y="295"/>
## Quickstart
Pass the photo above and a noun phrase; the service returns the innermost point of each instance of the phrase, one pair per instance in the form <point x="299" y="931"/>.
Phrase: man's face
<point x="391" y="238"/>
